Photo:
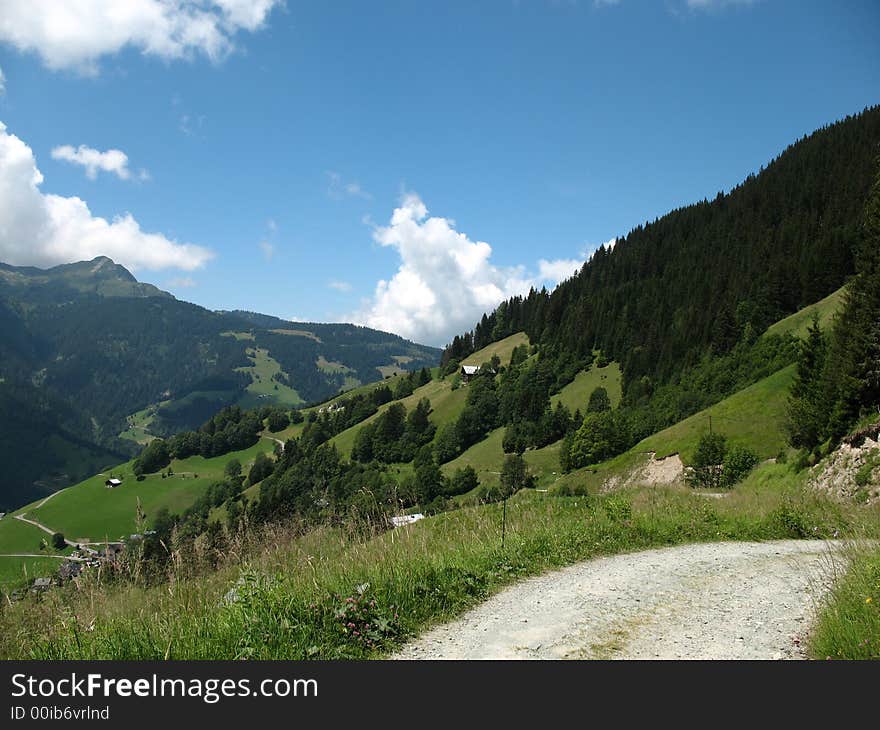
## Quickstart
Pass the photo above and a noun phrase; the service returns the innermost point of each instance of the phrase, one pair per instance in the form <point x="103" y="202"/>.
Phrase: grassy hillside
<point x="446" y="405"/>
<point x="17" y="537"/>
<point x="753" y="417"/>
<point x="577" y="393"/>
<point x="91" y="512"/>
<point x="487" y="457"/>
<point x="263" y="387"/>
<point x="503" y="348"/>
<point x="798" y="322"/>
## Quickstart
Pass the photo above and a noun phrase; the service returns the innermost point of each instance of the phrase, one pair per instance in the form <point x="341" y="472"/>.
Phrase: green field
<point x="446" y="405"/>
<point x="576" y="394"/>
<point x="753" y="417"/>
<point x="91" y="511"/>
<point x="14" y="571"/>
<point x="19" y="537"/>
<point x="798" y="322"/>
<point x="139" y="425"/>
<point x="503" y="348"/>
<point x="263" y="389"/>
<point x="239" y="335"/>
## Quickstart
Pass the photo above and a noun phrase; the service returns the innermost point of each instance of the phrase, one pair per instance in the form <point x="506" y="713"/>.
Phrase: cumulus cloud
<point x="342" y="286"/>
<point x="445" y="280"/>
<point x="41" y="229"/>
<point x="114" y="161"/>
<point x="76" y="34"/>
<point x="558" y="269"/>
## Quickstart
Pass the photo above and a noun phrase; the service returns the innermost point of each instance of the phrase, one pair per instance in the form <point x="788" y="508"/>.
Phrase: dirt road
<point x="729" y="600"/>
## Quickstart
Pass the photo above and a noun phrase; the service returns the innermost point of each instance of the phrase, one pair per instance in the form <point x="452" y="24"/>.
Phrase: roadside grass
<point x="848" y="624"/>
<point x="338" y="593"/>
<point x="576" y="395"/>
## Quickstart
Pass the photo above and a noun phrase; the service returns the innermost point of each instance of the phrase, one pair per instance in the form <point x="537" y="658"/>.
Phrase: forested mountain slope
<point x="705" y="276"/>
<point x="85" y="346"/>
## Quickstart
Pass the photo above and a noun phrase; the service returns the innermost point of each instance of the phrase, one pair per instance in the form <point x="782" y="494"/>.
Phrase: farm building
<point x="401" y="520"/>
<point x="469" y="371"/>
<point x="112" y="483"/>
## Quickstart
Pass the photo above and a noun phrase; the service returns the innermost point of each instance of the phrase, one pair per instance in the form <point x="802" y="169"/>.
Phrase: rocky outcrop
<point x="852" y="472"/>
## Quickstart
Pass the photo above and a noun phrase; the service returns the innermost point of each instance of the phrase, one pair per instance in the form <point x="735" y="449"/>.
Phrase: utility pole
<point x="503" y="521"/>
<point x="710" y="425"/>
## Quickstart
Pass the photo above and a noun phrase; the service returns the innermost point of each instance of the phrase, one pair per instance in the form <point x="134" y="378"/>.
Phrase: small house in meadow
<point x="468" y="371"/>
<point x="112" y="483"/>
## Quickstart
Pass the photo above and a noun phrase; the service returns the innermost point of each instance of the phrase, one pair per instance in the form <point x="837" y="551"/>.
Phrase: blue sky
<point x="346" y="160"/>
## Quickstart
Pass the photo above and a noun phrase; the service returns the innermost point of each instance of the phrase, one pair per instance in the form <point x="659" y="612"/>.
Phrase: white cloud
<point x="342" y="286"/>
<point x="115" y="161"/>
<point x="268" y="250"/>
<point x="41" y="229"/>
<point x="445" y="281"/>
<point x="558" y="269"/>
<point x="75" y="34"/>
<point x="337" y="188"/>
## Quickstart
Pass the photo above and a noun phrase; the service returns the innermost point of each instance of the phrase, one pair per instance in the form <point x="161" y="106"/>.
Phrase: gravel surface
<point x="730" y="600"/>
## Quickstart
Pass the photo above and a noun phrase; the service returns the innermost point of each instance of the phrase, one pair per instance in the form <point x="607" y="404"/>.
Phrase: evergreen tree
<point x="599" y="401"/>
<point x="807" y="407"/>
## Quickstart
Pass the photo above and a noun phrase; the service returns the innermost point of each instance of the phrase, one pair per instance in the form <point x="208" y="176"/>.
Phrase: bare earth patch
<point x="730" y="600"/>
<point x="653" y="472"/>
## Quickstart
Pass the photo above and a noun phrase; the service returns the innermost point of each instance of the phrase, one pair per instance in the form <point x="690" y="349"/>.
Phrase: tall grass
<point x="848" y="625"/>
<point x="342" y="593"/>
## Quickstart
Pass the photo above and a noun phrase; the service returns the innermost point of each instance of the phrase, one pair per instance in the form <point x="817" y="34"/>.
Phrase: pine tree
<point x="807" y="407"/>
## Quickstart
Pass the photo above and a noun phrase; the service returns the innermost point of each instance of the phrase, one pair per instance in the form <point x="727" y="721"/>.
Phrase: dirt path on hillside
<point x="43" y="527"/>
<point x="728" y="600"/>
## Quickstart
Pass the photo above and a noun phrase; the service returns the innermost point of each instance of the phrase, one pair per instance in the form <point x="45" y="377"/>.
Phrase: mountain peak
<point x="101" y="275"/>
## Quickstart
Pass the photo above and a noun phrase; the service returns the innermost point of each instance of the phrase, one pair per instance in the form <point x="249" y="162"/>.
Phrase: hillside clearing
<point x="576" y="395"/>
<point x="797" y="323"/>
<point x="503" y="348"/>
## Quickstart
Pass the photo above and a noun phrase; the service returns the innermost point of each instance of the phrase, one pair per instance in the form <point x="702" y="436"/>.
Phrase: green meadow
<point x="90" y="511"/>
<point x="576" y="394"/>
<point x="503" y="348"/>
<point x="798" y="322"/>
<point x="264" y="389"/>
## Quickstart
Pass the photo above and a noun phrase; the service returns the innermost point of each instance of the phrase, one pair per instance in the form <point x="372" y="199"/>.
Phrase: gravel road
<point x="730" y="600"/>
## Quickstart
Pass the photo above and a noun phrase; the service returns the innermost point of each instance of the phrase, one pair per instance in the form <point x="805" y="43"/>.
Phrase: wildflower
<point x="868" y="599"/>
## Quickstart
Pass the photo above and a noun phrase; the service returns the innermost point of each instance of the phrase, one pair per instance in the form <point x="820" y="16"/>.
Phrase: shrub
<point x="463" y="480"/>
<point x="58" y="541"/>
<point x="708" y="463"/>
<point x="515" y="475"/>
<point x="737" y="464"/>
